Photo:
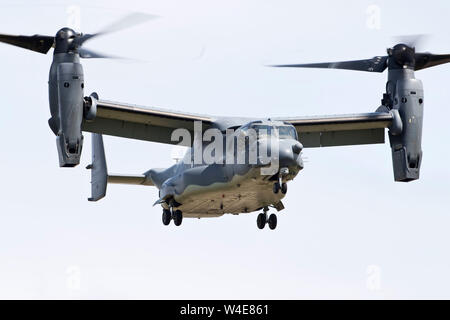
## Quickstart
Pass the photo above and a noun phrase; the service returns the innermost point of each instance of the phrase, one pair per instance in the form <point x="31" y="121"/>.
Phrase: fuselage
<point x="234" y="176"/>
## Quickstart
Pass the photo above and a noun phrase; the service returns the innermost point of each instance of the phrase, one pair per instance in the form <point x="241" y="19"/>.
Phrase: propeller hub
<point x="402" y="56"/>
<point x="65" y="40"/>
<point x="65" y="33"/>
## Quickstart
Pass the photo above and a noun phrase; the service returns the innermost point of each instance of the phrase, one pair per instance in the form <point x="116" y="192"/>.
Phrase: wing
<point x="142" y="123"/>
<point x="157" y="125"/>
<point x="341" y="130"/>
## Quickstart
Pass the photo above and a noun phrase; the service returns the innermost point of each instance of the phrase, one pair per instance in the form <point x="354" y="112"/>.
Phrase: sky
<point x="348" y="230"/>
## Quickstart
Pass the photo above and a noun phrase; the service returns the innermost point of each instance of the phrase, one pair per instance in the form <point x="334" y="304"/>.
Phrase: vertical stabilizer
<point x="99" y="171"/>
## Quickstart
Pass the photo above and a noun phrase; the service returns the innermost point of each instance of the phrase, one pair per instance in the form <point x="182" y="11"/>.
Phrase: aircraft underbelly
<point x="242" y="194"/>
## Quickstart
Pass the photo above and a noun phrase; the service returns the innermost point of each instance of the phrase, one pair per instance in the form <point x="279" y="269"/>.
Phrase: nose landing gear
<point x="281" y="184"/>
<point x="284" y="188"/>
<point x="277" y="186"/>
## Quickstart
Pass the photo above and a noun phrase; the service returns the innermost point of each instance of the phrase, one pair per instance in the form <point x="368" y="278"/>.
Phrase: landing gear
<point x="272" y="221"/>
<point x="262" y="220"/>
<point x="177" y="217"/>
<point x="166" y="217"/>
<point x="281" y="184"/>
<point x="284" y="188"/>
<point x="276" y="187"/>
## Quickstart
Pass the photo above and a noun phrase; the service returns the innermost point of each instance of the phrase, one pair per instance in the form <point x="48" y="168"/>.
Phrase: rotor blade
<point x="427" y="60"/>
<point x="89" y="54"/>
<point x="376" y="64"/>
<point x="124" y="23"/>
<point x="36" y="42"/>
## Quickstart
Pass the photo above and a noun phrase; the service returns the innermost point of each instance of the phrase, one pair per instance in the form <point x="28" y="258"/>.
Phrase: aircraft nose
<point x="297" y="148"/>
<point x="289" y="153"/>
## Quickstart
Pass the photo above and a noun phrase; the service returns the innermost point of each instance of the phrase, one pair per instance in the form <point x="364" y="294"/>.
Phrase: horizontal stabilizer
<point x="130" y="179"/>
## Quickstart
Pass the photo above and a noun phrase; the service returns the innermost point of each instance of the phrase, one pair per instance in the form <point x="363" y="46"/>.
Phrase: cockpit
<point x="262" y="130"/>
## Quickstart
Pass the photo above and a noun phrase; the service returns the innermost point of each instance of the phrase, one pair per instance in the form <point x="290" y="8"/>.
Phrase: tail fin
<point x="99" y="172"/>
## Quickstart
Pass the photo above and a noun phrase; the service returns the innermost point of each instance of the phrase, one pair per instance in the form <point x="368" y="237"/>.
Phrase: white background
<point x="348" y="231"/>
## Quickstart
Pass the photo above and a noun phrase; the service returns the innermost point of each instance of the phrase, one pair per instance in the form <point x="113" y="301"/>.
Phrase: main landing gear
<point x="262" y="220"/>
<point x="175" y="215"/>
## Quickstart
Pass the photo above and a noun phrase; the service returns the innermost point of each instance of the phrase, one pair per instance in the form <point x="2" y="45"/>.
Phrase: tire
<point x="284" y="188"/>
<point x="272" y="221"/>
<point x="177" y="218"/>
<point x="276" y="187"/>
<point x="261" y="220"/>
<point x="166" y="217"/>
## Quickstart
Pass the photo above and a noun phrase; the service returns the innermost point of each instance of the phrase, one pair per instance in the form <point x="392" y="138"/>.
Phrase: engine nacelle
<point x="406" y="143"/>
<point x="66" y="88"/>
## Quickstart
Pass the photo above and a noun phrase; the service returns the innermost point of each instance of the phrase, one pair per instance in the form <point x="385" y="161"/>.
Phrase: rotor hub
<point x="402" y="55"/>
<point x="65" y="40"/>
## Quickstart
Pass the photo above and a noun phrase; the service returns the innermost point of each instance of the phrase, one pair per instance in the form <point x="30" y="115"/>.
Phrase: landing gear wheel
<point x="272" y="221"/>
<point x="177" y="217"/>
<point x="261" y="220"/>
<point x="276" y="187"/>
<point x="166" y="217"/>
<point x="284" y="188"/>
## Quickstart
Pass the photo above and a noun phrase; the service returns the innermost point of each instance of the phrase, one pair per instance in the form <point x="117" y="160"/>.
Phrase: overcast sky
<point x="348" y="230"/>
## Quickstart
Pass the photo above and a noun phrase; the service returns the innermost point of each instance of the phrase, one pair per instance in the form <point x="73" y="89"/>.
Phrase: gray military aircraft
<point x="199" y="188"/>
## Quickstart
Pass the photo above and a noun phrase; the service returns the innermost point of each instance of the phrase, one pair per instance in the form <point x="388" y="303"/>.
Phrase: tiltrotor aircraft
<point x="197" y="188"/>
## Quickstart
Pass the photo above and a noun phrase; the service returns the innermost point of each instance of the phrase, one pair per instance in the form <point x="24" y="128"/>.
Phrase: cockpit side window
<point x="287" y="132"/>
<point x="263" y="130"/>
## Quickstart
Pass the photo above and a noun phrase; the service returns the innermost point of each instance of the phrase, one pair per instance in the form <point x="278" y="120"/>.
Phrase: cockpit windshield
<point x="284" y="132"/>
